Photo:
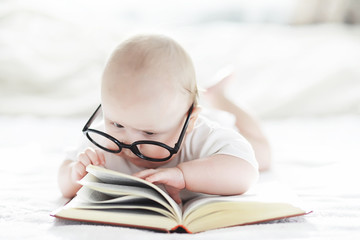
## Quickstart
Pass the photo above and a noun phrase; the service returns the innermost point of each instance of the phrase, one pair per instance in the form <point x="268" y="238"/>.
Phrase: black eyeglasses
<point x="145" y="149"/>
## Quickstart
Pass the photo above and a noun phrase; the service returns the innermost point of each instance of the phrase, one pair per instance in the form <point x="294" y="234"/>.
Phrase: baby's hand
<point x="89" y="156"/>
<point x="172" y="178"/>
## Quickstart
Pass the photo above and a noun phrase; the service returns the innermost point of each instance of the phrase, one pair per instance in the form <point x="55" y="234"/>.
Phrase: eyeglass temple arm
<point x="182" y="134"/>
<point x="91" y="119"/>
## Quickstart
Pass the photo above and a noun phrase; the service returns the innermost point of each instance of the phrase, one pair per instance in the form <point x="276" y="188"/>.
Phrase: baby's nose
<point x="126" y="153"/>
<point x="127" y="138"/>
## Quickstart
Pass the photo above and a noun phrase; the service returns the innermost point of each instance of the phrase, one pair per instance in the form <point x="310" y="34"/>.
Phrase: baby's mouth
<point x="136" y="160"/>
<point x="142" y="163"/>
<point x="139" y="161"/>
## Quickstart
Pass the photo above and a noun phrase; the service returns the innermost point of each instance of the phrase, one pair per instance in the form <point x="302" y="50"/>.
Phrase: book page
<point x="139" y="204"/>
<point x="116" y="191"/>
<point x="264" y="202"/>
<point x="238" y="213"/>
<point x="141" y="218"/>
<point x="125" y="184"/>
<point x="264" y="192"/>
<point x="120" y="189"/>
<point x="92" y="196"/>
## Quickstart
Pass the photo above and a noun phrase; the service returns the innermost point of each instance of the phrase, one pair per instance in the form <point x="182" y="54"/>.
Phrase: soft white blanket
<point x="318" y="158"/>
<point x="303" y="81"/>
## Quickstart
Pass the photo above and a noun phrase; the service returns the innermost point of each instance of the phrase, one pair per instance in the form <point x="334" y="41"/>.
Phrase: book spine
<point x="180" y="229"/>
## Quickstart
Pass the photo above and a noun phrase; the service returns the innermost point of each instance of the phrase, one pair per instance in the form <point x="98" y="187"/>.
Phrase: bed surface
<point x="317" y="158"/>
<point x="303" y="82"/>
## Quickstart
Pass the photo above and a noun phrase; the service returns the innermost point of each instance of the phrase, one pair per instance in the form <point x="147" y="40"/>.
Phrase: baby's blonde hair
<point x="163" y="54"/>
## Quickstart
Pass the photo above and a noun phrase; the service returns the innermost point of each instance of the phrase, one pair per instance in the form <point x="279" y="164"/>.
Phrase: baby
<point x="152" y="127"/>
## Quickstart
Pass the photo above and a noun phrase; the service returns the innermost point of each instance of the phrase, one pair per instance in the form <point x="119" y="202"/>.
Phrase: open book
<point x="115" y="198"/>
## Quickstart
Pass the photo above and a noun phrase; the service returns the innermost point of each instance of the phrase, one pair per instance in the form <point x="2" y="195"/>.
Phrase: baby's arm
<point x="218" y="174"/>
<point x="72" y="171"/>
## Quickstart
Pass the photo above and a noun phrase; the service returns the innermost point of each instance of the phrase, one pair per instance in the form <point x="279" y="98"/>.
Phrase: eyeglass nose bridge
<point x="132" y="147"/>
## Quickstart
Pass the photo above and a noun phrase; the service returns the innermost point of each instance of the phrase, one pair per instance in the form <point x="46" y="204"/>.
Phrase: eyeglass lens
<point x="146" y="149"/>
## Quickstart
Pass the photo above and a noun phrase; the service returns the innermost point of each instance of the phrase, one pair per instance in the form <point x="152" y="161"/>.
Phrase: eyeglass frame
<point x="133" y="147"/>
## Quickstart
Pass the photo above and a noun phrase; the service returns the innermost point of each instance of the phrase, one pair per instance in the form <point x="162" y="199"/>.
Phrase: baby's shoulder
<point x="216" y="118"/>
<point x="207" y="130"/>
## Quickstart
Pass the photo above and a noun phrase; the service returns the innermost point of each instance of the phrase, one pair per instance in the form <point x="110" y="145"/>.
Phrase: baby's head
<point x="148" y="86"/>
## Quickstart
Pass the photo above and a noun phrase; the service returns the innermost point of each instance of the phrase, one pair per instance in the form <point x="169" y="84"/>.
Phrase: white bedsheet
<point x="318" y="158"/>
<point x="303" y="82"/>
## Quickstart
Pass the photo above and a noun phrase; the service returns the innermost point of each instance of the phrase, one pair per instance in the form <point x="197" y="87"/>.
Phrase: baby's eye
<point x="149" y="133"/>
<point x="117" y="125"/>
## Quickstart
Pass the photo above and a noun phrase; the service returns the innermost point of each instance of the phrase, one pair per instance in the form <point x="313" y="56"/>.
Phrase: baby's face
<point x="136" y="110"/>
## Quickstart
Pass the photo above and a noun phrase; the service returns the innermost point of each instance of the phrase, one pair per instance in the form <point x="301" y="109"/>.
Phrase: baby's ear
<point x="194" y="115"/>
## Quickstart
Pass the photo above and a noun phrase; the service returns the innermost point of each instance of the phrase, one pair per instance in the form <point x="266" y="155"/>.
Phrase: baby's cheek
<point x="112" y="146"/>
<point x="103" y="141"/>
<point x="153" y="151"/>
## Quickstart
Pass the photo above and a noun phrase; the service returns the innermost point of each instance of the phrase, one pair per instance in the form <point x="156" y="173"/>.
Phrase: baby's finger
<point x="79" y="170"/>
<point x="160" y="177"/>
<point x="169" y="176"/>
<point x="101" y="156"/>
<point x="145" y="173"/>
<point x="174" y="194"/>
<point x="84" y="159"/>
<point x="92" y="156"/>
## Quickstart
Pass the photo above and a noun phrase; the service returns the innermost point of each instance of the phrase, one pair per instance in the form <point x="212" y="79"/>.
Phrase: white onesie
<point x="207" y="138"/>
